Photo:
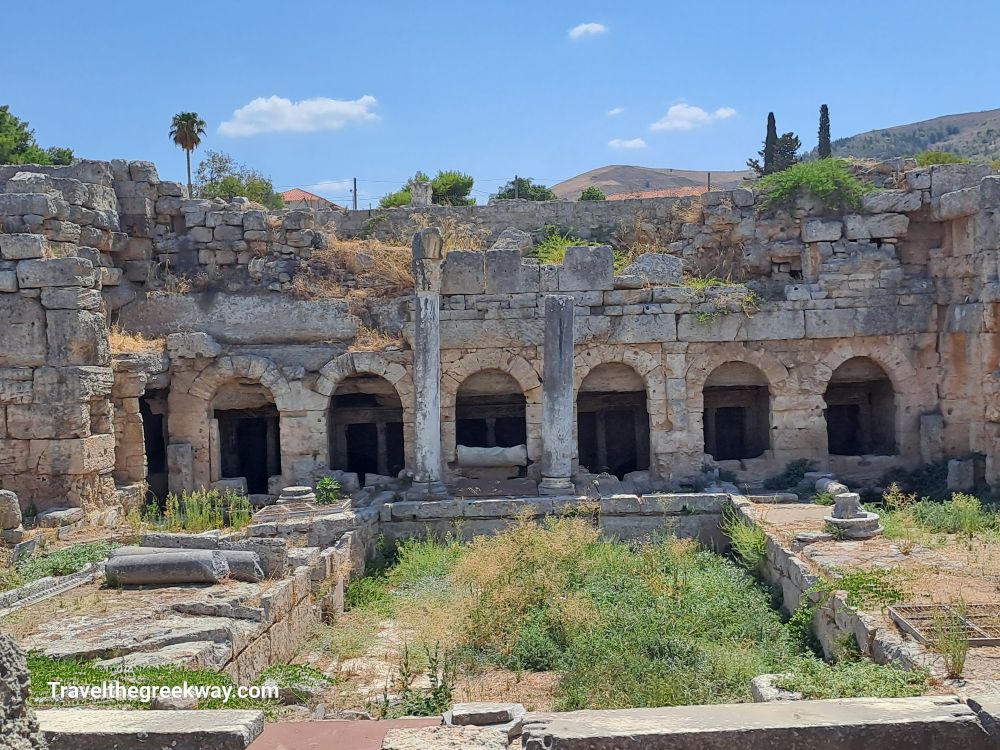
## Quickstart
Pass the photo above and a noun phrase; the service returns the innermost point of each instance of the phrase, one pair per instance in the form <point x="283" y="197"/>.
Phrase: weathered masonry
<point x="872" y="342"/>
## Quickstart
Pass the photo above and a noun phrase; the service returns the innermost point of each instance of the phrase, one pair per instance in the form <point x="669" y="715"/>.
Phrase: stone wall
<point x="18" y="725"/>
<point x="908" y="283"/>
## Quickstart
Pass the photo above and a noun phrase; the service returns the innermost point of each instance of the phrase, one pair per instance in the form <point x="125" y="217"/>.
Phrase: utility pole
<point x="710" y="182"/>
<point x="515" y="188"/>
<point x="355" y="194"/>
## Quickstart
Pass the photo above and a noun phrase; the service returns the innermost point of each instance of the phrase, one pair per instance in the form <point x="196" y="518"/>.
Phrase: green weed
<point x="829" y="180"/>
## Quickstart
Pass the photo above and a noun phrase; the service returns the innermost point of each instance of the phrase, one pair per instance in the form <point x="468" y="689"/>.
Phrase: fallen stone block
<point x="90" y="729"/>
<point x="483" y="714"/>
<point x="940" y="722"/>
<point x="53" y="518"/>
<point x="167" y="568"/>
<point x="244" y="565"/>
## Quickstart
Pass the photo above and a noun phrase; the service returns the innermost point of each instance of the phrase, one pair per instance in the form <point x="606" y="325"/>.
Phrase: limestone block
<point x="24" y="330"/>
<point x="77" y="337"/>
<point x="742" y="198"/>
<point x="23" y="204"/>
<point x="946" y="178"/>
<point x="10" y="510"/>
<point x="513" y="239"/>
<point x="143" y="171"/>
<point x="587" y="269"/>
<point x="643" y="329"/>
<point x="657" y="268"/>
<point x="68" y="384"/>
<point x="56" y="420"/>
<point x="201" y="234"/>
<point x="721" y="328"/>
<point x="826" y="324"/>
<point x="70" y="298"/>
<point x="73" y="455"/>
<point x="297" y="220"/>
<point x="931" y="438"/>
<point x="891" y="201"/>
<point x="817" y="230"/>
<point x="56" y="272"/>
<point x="989" y="192"/>
<point x="227" y="233"/>
<point x="503" y="271"/>
<point x="23" y="246"/>
<point x="192" y="344"/>
<point x="956" y="204"/>
<point x="62" y="231"/>
<point x="464" y="272"/>
<point x="15" y="386"/>
<point x="254" y="220"/>
<point x="8" y="280"/>
<point x="167" y="568"/>
<point x="483" y="457"/>
<point x="877" y="226"/>
<point x="780" y="324"/>
<point x="180" y="467"/>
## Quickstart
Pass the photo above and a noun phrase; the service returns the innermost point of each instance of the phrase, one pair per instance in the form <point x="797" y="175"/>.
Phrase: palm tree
<point x="186" y="131"/>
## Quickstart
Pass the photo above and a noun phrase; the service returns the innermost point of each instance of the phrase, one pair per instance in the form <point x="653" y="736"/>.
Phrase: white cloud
<point x="275" y="114"/>
<point x="331" y="188"/>
<point x="615" y="111"/>
<point x="687" y="117"/>
<point x="587" y="29"/>
<point x="631" y="144"/>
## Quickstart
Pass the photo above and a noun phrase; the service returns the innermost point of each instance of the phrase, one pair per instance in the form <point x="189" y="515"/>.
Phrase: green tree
<point x="523" y="187"/>
<point x="18" y="146"/>
<point x="220" y="176"/>
<point x="768" y="152"/>
<point x="824" y="150"/>
<point x="186" y="131"/>
<point x="452" y="188"/>
<point x="786" y="152"/>
<point x="395" y="200"/>
<point x="592" y="193"/>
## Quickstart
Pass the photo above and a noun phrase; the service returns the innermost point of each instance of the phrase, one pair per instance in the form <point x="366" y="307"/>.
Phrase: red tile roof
<point x="298" y="194"/>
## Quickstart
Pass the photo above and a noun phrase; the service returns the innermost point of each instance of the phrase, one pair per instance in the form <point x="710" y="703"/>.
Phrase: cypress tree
<point x="770" y="144"/>
<point x="824" y="149"/>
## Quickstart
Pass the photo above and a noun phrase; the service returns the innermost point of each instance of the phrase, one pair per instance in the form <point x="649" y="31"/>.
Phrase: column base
<point x="556" y="486"/>
<point x="433" y="490"/>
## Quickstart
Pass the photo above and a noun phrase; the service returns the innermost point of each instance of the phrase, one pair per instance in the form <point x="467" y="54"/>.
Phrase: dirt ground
<point x="933" y="569"/>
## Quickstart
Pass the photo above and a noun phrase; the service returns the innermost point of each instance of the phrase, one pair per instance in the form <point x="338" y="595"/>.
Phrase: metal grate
<point x="979" y="623"/>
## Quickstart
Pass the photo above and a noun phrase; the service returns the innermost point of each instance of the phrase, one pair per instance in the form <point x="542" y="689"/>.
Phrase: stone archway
<point x="612" y="420"/>
<point x="860" y="409"/>
<point x="737" y="412"/>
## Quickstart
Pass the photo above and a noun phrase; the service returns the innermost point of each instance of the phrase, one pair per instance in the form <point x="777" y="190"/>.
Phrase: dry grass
<point x="456" y="236"/>
<point x="125" y="342"/>
<point x="375" y="266"/>
<point x="373" y="340"/>
<point x="688" y="211"/>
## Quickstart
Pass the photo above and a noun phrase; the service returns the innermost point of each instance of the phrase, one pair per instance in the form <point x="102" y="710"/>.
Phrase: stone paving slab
<point x="91" y="729"/>
<point x="941" y="723"/>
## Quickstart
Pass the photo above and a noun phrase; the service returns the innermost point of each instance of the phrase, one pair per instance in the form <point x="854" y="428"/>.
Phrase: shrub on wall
<point x="829" y="180"/>
<point x="927" y="158"/>
<point x="593" y="193"/>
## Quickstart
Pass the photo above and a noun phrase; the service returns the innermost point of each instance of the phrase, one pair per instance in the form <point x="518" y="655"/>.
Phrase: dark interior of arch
<point x="612" y="422"/>
<point x="153" y="410"/>
<point x="366" y="427"/>
<point x="249" y="434"/>
<point x="490" y="411"/>
<point x="860" y="410"/>
<point x="737" y="412"/>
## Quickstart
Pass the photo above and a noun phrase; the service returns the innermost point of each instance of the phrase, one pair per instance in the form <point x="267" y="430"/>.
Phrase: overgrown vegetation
<point x="828" y="180"/>
<point x="327" y="491"/>
<point x="448" y="188"/>
<point x="950" y="638"/>
<point x="376" y="268"/>
<point x="963" y="515"/>
<point x="721" y="297"/>
<point x="592" y="193"/>
<point x="552" y="249"/>
<point x="219" y="175"/>
<point x="749" y="542"/>
<point x="55" y="563"/>
<point x="524" y="188"/>
<point x="651" y="623"/>
<point x="853" y="677"/>
<point x="928" y="480"/>
<point x="201" y="510"/>
<point x="927" y="158"/>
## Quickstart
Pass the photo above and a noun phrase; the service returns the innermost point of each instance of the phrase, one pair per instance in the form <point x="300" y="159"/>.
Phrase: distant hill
<point x="620" y="178"/>
<point x="974" y="134"/>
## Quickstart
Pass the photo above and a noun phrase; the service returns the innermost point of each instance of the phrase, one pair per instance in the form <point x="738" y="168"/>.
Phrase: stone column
<point x="427" y="257"/>
<point x="557" y="397"/>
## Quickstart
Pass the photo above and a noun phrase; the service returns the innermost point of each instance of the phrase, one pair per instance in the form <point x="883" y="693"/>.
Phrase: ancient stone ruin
<point x="156" y="344"/>
<point x="864" y="343"/>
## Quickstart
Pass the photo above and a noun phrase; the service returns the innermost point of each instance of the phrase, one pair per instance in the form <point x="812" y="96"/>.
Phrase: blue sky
<point x="315" y="93"/>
